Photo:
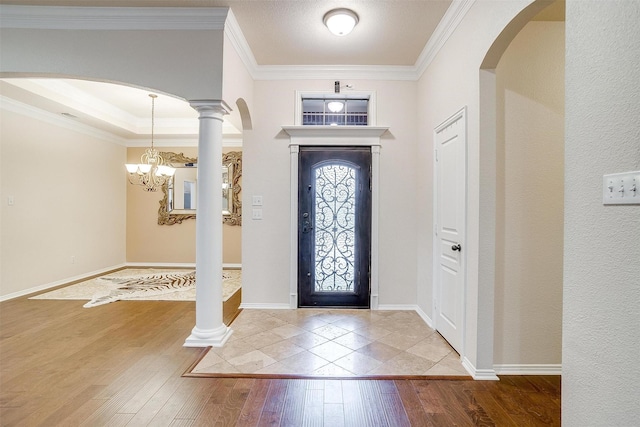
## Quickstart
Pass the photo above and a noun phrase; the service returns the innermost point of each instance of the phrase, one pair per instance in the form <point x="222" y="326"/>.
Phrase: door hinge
<point x="436" y="155"/>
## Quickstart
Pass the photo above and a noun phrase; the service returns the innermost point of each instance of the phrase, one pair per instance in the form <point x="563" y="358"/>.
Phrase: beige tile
<point x="330" y="331"/>
<point x="358" y="363"/>
<point x="332" y="370"/>
<point x="449" y="365"/>
<point x="379" y="351"/>
<point x="222" y="367"/>
<point x="342" y="343"/>
<point x="264" y="339"/>
<point x="330" y="351"/>
<point x="232" y="349"/>
<point x="287" y="331"/>
<point x="309" y="323"/>
<point x="307" y="340"/>
<point x="251" y="362"/>
<point x="352" y="341"/>
<point x="208" y="361"/>
<point x="244" y="331"/>
<point x="433" y="348"/>
<point x="303" y="363"/>
<point x="372" y="332"/>
<point x="281" y="350"/>
<point x="404" y="364"/>
<point x="401" y="341"/>
<point x="351" y="323"/>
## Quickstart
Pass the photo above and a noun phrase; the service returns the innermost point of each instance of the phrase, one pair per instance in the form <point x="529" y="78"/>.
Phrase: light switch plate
<point x="256" y="201"/>
<point x="256" y="214"/>
<point x="621" y="188"/>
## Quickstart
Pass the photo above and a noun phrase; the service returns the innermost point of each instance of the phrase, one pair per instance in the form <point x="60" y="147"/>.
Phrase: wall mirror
<point x="181" y="193"/>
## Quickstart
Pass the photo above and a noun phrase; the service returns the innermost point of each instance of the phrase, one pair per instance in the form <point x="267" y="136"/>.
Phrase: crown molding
<point x="334" y="72"/>
<point x="233" y="31"/>
<point x="448" y="24"/>
<point x="112" y="18"/>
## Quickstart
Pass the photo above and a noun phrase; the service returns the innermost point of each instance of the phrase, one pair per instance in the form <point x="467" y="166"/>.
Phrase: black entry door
<point x="334" y="227"/>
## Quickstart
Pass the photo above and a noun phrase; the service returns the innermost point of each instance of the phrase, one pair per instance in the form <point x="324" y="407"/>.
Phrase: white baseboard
<point x="528" y="369"/>
<point x="162" y="264"/>
<point x="479" y="374"/>
<point x="50" y="285"/>
<point x="406" y="307"/>
<point x="177" y="265"/>
<point x="264" y="306"/>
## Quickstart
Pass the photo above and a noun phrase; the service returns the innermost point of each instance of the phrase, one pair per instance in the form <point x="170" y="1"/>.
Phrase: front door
<point x="334" y="227"/>
<point x="450" y="207"/>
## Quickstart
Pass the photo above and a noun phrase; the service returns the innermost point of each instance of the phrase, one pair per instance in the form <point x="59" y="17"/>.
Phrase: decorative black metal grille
<point x="335" y="207"/>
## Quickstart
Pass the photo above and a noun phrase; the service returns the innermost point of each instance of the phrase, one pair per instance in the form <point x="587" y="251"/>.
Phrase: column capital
<point x="210" y="106"/>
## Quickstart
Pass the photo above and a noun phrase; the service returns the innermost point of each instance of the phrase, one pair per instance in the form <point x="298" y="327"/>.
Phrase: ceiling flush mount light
<point x="151" y="172"/>
<point x="340" y="21"/>
<point x="335" y="106"/>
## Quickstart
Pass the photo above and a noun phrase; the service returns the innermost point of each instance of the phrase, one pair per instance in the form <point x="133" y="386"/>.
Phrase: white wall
<point x="69" y="192"/>
<point x="183" y="63"/>
<point x="601" y="326"/>
<point x="266" y="248"/>
<point x="530" y="197"/>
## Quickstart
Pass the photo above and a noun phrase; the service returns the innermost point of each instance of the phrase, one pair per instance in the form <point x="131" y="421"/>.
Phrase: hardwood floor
<point x="121" y="364"/>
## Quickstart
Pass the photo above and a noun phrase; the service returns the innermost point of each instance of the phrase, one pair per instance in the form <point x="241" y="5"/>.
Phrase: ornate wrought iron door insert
<point x="334" y="227"/>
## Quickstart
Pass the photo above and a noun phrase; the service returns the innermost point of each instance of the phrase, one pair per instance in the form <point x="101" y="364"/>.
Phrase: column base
<point x="208" y="338"/>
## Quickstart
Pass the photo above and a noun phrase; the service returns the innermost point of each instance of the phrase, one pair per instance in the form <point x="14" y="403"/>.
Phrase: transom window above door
<point x="349" y="108"/>
<point x="335" y="112"/>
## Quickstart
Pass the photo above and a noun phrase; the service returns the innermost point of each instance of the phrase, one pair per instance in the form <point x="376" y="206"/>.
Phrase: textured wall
<point x="601" y="319"/>
<point x="530" y="197"/>
<point x="266" y="244"/>
<point x="69" y="201"/>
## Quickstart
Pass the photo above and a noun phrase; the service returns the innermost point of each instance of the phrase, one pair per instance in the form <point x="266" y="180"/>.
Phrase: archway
<point x="492" y="244"/>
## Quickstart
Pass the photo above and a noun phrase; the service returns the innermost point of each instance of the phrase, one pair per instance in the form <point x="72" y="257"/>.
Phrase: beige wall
<point x="530" y="197"/>
<point x="148" y="242"/>
<point x="266" y="244"/>
<point x="454" y="80"/>
<point x="69" y="201"/>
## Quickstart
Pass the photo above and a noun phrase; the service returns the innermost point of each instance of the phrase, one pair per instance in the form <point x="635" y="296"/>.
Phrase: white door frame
<point x="459" y="115"/>
<point x="335" y="136"/>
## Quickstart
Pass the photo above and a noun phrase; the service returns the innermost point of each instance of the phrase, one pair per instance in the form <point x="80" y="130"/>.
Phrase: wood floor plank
<point x="294" y="401"/>
<point x="251" y="411"/>
<point x="274" y="403"/>
<point x="412" y="404"/>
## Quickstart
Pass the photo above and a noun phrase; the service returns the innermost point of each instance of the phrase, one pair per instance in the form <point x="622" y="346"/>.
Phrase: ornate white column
<point x="209" y="329"/>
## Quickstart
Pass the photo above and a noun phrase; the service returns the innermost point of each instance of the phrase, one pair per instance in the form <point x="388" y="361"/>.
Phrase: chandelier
<point x="151" y="172"/>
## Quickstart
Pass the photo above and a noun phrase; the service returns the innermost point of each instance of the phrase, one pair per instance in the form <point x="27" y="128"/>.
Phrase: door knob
<point x="456" y="247"/>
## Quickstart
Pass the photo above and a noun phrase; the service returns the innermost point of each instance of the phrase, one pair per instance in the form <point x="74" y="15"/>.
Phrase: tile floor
<point x="332" y="343"/>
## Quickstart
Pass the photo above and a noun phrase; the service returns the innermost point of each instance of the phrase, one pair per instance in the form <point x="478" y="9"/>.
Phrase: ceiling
<point x="278" y="33"/>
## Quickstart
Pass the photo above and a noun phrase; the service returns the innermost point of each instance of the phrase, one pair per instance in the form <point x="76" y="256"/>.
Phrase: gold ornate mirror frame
<point x="233" y="160"/>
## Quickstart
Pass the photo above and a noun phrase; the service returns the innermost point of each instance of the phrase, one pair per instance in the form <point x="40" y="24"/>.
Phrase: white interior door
<point x="450" y="207"/>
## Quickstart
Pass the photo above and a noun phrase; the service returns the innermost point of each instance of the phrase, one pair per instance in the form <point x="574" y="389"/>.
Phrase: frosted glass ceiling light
<point x="340" y="21"/>
<point x="335" y="106"/>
